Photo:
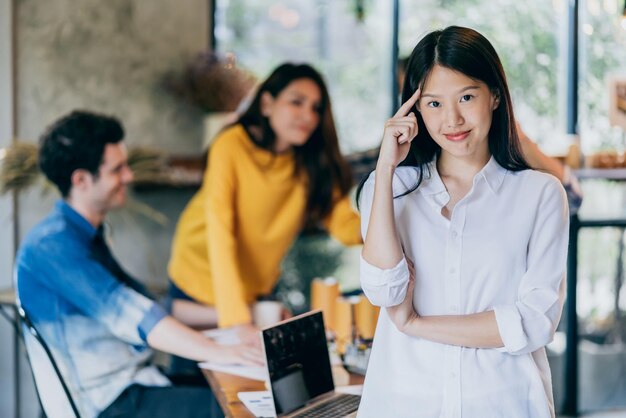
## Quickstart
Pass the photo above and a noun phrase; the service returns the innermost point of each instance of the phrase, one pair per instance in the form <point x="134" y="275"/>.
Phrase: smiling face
<point x="294" y="113"/>
<point x="457" y="112"/>
<point x="108" y="190"/>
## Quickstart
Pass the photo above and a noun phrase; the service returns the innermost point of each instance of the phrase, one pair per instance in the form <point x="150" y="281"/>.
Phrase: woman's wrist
<point x="384" y="170"/>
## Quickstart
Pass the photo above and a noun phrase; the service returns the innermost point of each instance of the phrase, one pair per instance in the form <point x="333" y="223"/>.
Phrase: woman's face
<point x="457" y="112"/>
<point x="294" y="114"/>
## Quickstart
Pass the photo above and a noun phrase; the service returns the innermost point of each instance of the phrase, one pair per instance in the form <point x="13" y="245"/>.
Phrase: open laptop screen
<point x="298" y="361"/>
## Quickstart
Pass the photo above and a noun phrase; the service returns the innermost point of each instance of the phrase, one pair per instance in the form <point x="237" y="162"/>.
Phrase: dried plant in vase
<point x="148" y="165"/>
<point x="213" y="82"/>
<point x="19" y="171"/>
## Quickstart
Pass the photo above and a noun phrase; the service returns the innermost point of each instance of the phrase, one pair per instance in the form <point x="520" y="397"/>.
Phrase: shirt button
<point x="454" y="234"/>
<point x="452" y="270"/>
<point x="453" y="308"/>
<point x="452" y="375"/>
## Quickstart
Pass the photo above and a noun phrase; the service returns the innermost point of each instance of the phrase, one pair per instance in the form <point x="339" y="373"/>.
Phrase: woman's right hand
<point x="399" y="132"/>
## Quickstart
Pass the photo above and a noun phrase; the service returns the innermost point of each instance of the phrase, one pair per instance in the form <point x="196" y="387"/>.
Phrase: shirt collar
<point x="492" y="172"/>
<point x="432" y="183"/>
<point x="76" y="220"/>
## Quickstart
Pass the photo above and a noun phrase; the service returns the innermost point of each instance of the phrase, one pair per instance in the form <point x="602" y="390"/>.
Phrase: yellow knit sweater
<point x="235" y="231"/>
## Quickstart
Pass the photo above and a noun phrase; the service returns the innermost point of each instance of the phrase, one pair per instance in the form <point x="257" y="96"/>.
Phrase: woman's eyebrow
<point x="463" y="90"/>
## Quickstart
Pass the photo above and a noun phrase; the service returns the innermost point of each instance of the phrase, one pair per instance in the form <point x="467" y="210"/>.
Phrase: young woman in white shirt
<point x="465" y="246"/>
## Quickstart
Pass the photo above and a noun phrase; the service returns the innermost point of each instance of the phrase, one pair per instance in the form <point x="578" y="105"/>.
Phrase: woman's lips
<point x="457" y="136"/>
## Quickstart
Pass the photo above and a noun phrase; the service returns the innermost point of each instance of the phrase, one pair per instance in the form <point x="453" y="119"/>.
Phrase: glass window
<point x="602" y="38"/>
<point x="351" y="49"/>
<point x="528" y="38"/>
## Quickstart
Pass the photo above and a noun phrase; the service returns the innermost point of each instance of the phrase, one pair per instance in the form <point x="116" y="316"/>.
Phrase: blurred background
<point x="135" y="60"/>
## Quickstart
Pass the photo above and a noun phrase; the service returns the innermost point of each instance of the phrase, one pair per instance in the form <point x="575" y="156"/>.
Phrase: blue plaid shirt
<point x="95" y="322"/>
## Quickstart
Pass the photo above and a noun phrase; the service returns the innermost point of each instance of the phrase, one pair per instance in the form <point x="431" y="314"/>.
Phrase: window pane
<point x="353" y="54"/>
<point x="526" y="35"/>
<point x="602" y="39"/>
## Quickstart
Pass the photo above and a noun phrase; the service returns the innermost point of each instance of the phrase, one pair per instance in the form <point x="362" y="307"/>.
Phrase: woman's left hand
<point x="404" y="314"/>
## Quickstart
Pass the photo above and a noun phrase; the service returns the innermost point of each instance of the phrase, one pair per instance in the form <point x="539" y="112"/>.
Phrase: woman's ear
<point x="266" y="104"/>
<point x="495" y="100"/>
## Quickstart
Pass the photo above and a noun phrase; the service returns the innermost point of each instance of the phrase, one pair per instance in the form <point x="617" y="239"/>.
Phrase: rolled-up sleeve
<point x="530" y="323"/>
<point x="383" y="287"/>
<point x="150" y="319"/>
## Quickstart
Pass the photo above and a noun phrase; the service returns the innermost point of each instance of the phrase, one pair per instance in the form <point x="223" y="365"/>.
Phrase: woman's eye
<point x="434" y="104"/>
<point x="466" y="98"/>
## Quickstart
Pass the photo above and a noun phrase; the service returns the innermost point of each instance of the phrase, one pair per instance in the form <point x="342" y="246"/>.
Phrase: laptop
<point x="300" y="374"/>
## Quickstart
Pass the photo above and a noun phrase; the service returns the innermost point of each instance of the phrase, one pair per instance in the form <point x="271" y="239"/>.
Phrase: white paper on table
<point x="260" y="403"/>
<point x="228" y="336"/>
<point x="224" y="336"/>
<point x="250" y="372"/>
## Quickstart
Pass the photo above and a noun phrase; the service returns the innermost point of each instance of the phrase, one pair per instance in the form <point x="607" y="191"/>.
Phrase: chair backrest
<point x="54" y="394"/>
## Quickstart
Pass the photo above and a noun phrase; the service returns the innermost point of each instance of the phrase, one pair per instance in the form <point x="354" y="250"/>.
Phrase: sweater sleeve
<point x="228" y="287"/>
<point x="343" y="222"/>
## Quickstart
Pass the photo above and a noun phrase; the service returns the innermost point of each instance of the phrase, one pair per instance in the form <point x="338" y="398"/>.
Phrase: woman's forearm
<point x="475" y="330"/>
<point x="382" y="247"/>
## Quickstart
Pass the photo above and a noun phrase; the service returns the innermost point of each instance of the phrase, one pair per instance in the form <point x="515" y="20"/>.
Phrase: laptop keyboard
<point x="338" y="406"/>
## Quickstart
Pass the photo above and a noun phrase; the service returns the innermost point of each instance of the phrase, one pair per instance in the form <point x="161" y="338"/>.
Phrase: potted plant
<point x="215" y="84"/>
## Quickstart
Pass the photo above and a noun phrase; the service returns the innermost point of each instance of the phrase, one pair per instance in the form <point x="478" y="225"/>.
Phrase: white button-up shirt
<point x="504" y="249"/>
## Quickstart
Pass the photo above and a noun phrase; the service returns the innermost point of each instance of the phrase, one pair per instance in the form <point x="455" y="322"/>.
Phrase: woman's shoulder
<point x="542" y="185"/>
<point x="537" y="178"/>
<point x="231" y="138"/>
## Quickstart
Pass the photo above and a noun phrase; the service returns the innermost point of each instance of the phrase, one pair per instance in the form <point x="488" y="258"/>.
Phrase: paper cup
<point x="267" y="313"/>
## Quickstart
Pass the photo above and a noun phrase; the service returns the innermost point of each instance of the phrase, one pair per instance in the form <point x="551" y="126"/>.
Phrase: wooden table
<point x="226" y="386"/>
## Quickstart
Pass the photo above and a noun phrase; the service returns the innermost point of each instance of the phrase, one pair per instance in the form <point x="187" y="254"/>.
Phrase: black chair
<point x="54" y="394"/>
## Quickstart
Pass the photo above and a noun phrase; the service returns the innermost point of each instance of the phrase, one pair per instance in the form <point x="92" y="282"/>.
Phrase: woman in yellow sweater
<point x="274" y="172"/>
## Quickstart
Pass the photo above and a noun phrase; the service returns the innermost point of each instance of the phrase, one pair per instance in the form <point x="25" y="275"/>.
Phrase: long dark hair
<point x="319" y="158"/>
<point x="470" y="53"/>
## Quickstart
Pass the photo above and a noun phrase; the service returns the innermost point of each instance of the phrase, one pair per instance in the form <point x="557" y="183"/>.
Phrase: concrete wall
<point x="7" y="342"/>
<point x="108" y="57"/>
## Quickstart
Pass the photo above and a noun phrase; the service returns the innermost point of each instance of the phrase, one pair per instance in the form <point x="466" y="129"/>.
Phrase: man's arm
<point x="194" y="314"/>
<point x="171" y="336"/>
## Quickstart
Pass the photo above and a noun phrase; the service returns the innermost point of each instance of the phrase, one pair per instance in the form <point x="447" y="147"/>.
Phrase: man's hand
<point x="249" y="335"/>
<point x="245" y="355"/>
<point x="404" y="314"/>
